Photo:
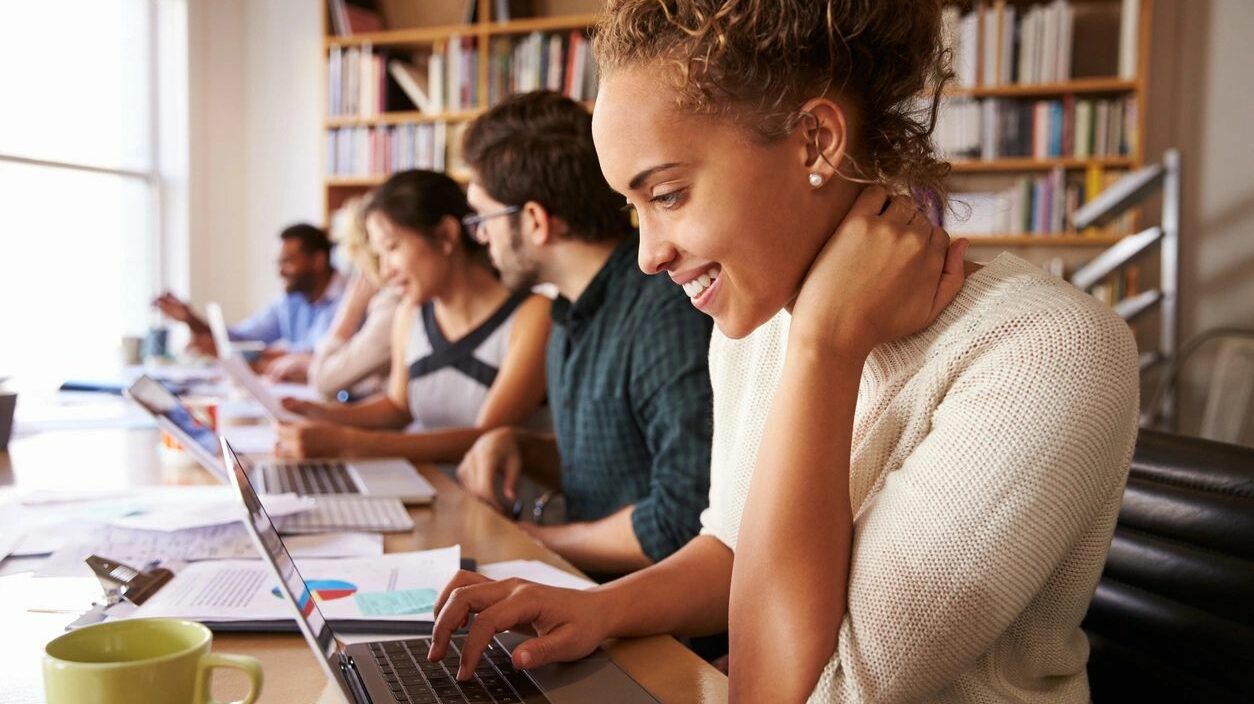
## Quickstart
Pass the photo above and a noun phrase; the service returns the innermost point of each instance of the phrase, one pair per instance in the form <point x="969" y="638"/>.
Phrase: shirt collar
<point x="593" y="297"/>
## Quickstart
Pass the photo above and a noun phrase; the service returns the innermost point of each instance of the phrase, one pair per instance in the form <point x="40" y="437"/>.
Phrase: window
<point x="91" y="88"/>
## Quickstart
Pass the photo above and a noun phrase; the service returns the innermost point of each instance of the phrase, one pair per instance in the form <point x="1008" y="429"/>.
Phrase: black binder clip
<point x="125" y="582"/>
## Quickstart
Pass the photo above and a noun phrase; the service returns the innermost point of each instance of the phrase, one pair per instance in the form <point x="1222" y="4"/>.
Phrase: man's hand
<point x="496" y="452"/>
<point x="174" y="308"/>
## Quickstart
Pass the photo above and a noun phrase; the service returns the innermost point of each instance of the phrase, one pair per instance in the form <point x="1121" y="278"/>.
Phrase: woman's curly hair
<point x="758" y="61"/>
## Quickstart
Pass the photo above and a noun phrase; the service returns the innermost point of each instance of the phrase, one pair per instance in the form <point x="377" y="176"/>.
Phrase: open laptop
<point x="390" y="478"/>
<point x="236" y="367"/>
<point x="398" y="670"/>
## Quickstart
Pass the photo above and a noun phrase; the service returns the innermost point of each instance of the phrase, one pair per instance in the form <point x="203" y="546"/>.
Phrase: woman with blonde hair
<point x="356" y="354"/>
<point x="917" y="462"/>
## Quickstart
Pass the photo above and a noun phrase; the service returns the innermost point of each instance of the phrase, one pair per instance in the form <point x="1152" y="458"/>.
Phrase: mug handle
<point x="250" y="665"/>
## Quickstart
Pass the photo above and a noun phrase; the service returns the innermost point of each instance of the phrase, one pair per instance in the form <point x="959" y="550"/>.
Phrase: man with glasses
<point x="628" y="384"/>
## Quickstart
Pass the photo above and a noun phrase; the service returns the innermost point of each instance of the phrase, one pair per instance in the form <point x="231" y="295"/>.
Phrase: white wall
<point x="255" y="91"/>
<point x="1202" y="100"/>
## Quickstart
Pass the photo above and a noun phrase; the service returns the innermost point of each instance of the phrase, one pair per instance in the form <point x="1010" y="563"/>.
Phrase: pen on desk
<point x="55" y="611"/>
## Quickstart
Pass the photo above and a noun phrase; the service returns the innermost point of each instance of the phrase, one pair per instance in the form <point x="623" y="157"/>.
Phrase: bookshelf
<point x="362" y="125"/>
<point x="1082" y="60"/>
<point x="1093" y="73"/>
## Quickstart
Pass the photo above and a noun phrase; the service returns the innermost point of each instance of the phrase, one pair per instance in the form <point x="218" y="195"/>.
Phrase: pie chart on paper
<point x="322" y="590"/>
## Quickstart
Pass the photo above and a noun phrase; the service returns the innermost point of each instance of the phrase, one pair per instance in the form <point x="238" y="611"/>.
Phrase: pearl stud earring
<point x="816" y="180"/>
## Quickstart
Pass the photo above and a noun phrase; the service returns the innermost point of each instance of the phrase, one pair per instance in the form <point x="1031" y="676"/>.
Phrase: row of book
<point x="999" y="43"/>
<point x="1041" y="205"/>
<point x="999" y="128"/>
<point x="381" y="150"/>
<point x="1121" y="284"/>
<point x="558" y="61"/>
<point x="358" y="82"/>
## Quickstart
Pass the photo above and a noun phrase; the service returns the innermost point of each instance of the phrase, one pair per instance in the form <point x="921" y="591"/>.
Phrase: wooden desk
<point x="116" y="459"/>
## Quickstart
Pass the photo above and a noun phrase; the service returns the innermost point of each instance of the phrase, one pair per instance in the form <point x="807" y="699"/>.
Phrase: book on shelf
<point x="1129" y="25"/>
<point x="988" y="129"/>
<point x="356" y="82"/>
<point x="1031" y="206"/>
<point x="999" y="43"/>
<point x="559" y="61"/>
<point x="415" y="82"/>
<point x="506" y="10"/>
<point x="349" y="18"/>
<point x="381" y="150"/>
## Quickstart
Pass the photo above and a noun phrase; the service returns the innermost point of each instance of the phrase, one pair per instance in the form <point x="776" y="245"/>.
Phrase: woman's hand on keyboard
<point x="569" y="623"/>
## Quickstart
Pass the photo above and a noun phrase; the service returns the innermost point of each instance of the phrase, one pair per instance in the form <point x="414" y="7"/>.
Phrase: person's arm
<point x="340" y="362"/>
<point x="672" y="406"/>
<point x="884" y="274"/>
<point x="262" y="326"/>
<point x="1024" y="463"/>
<point x="177" y="309"/>
<point x="508" y="452"/>
<point x="517" y="391"/>
<point x="519" y="386"/>
<point x="607" y="546"/>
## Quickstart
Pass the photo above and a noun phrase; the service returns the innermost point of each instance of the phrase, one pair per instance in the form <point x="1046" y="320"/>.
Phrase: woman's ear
<point x="448" y="234"/>
<point x="824" y="140"/>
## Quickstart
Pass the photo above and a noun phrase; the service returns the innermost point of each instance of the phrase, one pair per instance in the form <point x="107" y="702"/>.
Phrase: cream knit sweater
<point x="989" y="457"/>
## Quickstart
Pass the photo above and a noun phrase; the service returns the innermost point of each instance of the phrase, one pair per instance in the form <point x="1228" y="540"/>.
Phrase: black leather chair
<point x="1173" y="616"/>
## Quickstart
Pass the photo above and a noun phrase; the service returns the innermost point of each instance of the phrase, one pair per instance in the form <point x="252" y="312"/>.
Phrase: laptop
<point x="237" y="368"/>
<point x="389" y="478"/>
<point x="398" y="670"/>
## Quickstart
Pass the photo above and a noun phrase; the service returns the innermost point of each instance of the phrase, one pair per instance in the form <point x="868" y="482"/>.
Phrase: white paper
<point x="535" y="571"/>
<point x="197" y="514"/>
<point x="250" y="439"/>
<point x="235" y="367"/>
<point x="244" y="590"/>
<point x="140" y="548"/>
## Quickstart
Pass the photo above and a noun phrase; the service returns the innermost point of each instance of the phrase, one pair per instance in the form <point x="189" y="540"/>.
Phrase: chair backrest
<point x="1229" y="414"/>
<point x="1173" y="616"/>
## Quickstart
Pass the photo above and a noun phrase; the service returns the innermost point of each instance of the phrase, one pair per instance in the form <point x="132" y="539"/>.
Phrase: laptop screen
<point x="313" y="624"/>
<point x="157" y="400"/>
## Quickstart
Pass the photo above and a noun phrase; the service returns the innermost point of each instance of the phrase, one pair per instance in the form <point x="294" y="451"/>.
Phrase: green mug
<point x="140" y="661"/>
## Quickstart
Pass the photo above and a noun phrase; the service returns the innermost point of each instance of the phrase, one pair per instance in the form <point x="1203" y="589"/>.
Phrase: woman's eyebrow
<point x="639" y="179"/>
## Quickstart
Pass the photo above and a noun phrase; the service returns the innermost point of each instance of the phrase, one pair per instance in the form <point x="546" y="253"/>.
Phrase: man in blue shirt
<point x="293" y="323"/>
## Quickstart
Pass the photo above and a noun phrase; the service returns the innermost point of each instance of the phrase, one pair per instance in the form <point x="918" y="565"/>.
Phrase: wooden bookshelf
<point x="444" y="19"/>
<point x="1079" y="86"/>
<point x="1048" y="240"/>
<point x="1095" y="76"/>
<point x="427" y="27"/>
<point x="1022" y="165"/>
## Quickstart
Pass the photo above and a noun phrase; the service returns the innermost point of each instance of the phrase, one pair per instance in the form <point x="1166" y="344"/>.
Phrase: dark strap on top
<point x="460" y="355"/>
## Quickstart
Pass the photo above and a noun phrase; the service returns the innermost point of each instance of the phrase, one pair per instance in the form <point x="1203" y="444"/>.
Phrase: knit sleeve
<point x="1027" y="448"/>
<point x="340" y="364"/>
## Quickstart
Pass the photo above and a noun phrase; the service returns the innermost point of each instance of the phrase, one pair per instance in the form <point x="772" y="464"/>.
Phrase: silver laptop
<point x="237" y="368"/>
<point x="390" y="478"/>
<point x="398" y="670"/>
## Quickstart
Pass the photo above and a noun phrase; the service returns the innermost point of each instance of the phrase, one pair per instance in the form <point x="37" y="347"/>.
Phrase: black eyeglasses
<point x="472" y="222"/>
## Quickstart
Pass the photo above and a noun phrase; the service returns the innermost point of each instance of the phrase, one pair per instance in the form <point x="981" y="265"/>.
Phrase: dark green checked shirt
<point x="629" y="388"/>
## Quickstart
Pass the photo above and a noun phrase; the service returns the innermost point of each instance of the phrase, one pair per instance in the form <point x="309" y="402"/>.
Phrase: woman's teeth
<point x="696" y="286"/>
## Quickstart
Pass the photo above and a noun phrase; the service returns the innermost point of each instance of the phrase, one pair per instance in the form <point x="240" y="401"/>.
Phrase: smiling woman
<point x="917" y="461"/>
<point x="467" y="351"/>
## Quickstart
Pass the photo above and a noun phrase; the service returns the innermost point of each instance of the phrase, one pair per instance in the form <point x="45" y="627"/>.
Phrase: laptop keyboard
<point x="412" y="678"/>
<point x="365" y="513"/>
<point x="309" y="478"/>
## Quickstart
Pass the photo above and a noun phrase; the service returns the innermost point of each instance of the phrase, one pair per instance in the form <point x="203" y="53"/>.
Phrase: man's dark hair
<point x="312" y="239"/>
<point x="418" y="200"/>
<point x="538" y="147"/>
